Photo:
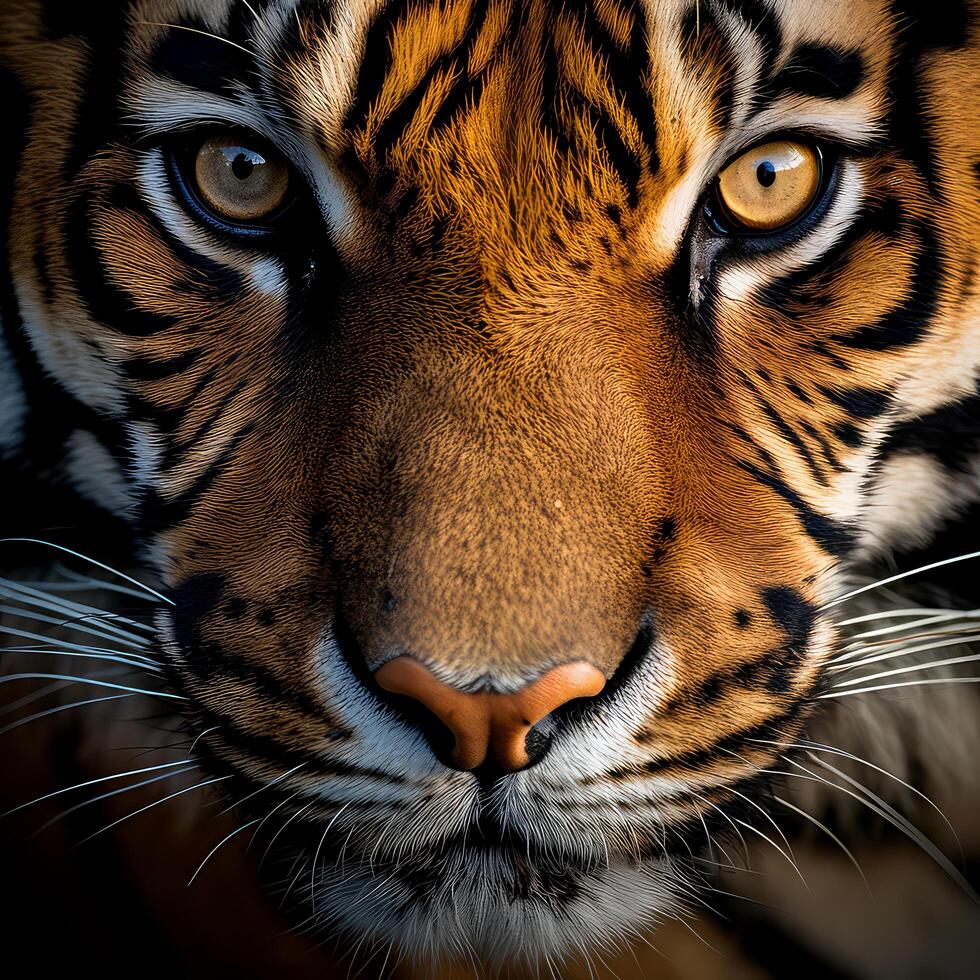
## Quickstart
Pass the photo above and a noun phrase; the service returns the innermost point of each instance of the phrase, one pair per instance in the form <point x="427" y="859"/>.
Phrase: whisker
<point x="61" y="707"/>
<point x="12" y="706"/>
<point x="54" y="652"/>
<point x="940" y="617"/>
<point x="275" y="809"/>
<point x="714" y="806"/>
<point x="113" y="792"/>
<point x="88" y="583"/>
<point x="74" y="625"/>
<point x="812" y="746"/>
<point x="166" y="799"/>
<point x="92" y="782"/>
<point x="91" y="561"/>
<point x="286" y="823"/>
<point x="194" y="30"/>
<point x="890" y="614"/>
<point x="319" y="847"/>
<point x="925" y="648"/>
<point x="214" y="849"/>
<point x="889" y="687"/>
<point x="902" y="823"/>
<point x="829" y="833"/>
<point x="199" y="736"/>
<point x="897" y="578"/>
<point x="94" y="683"/>
<point x="910" y="668"/>
<point x="269" y="785"/>
<point x="43" y="599"/>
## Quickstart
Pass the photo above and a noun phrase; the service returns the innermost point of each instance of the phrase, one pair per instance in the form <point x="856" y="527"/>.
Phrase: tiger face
<point x="498" y="389"/>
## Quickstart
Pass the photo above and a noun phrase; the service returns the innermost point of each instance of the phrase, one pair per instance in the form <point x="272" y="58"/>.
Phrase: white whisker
<point x="93" y="782"/>
<point x="881" y="583"/>
<point x="91" y="561"/>
<point x="76" y="626"/>
<point x="114" y="792"/>
<point x="195" y="30"/>
<point x="891" y="614"/>
<point x="58" y="708"/>
<point x="214" y="849"/>
<point x="954" y="615"/>
<point x="817" y="823"/>
<point x="53" y="652"/>
<point x="166" y="799"/>
<point x="961" y="639"/>
<point x="811" y="746"/>
<point x="43" y="599"/>
<point x="902" y="823"/>
<point x="261" y="789"/>
<point x="94" y="683"/>
<point x="948" y="662"/>
<point x="889" y="687"/>
<point x="319" y="847"/>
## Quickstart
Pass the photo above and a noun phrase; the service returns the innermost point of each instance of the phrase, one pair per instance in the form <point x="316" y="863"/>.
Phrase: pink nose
<point x="486" y="723"/>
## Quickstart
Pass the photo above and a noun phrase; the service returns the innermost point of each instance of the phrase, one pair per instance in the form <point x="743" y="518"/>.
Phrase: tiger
<point x="501" y="400"/>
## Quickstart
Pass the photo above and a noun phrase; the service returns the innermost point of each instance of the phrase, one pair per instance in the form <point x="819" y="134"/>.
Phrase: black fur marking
<point x="925" y="26"/>
<point x="910" y="320"/>
<point x="859" y="403"/>
<point x="950" y="434"/>
<point x="824" y="72"/>
<point x="147" y="369"/>
<point x="201" y="61"/>
<point x="195" y="599"/>
<point x="793" y="613"/>
<point x="831" y="536"/>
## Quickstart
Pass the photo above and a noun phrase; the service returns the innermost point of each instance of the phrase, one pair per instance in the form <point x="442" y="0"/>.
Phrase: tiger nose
<point x="486" y="724"/>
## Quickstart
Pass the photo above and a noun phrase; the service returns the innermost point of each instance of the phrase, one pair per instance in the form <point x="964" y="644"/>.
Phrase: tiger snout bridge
<point x="486" y="723"/>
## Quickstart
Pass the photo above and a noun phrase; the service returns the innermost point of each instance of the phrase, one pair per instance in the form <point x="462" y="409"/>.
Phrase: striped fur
<point x="501" y="398"/>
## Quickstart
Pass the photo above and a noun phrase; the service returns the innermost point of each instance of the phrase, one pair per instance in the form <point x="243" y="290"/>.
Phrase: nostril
<point x="440" y="737"/>
<point x="484" y="725"/>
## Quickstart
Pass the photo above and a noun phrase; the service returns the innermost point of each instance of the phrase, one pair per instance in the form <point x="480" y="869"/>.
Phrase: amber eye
<point x="771" y="185"/>
<point x="239" y="183"/>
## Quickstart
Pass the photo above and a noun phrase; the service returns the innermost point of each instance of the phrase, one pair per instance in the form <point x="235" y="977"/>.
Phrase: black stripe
<point x="159" y="513"/>
<point x="764" y="24"/>
<point x="910" y="320"/>
<point x="825" y="448"/>
<point x="202" y="61"/>
<point x="823" y="72"/>
<point x="204" y="276"/>
<point x="153" y="369"/>
<point x="627" y="70"/>
<point x="950" y="434"/>
<point x="830" y="535"/>
<point x="925" y="26"/>
<point x="700" y="758"/>
<point x="803" y="286"/>
<point x="787" y="432"/>
<point x="104" y="28"/>
<point x="860" y="403"/>
<point x="32" y="493"/>
<point x="106" y="302"/>
<point x="375" y="61"/>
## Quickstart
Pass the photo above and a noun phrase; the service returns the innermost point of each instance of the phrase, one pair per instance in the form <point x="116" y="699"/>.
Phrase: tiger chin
<point x="499" y="394"/>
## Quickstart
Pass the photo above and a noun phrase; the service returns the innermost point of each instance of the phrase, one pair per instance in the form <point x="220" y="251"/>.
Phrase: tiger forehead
<point x="529" y="101"/>
<point x="534" y="109"/>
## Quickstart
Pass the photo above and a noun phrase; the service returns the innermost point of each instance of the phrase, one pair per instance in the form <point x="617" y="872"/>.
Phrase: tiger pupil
<point x="766" y="173"/>
<point x="242" y="167"/>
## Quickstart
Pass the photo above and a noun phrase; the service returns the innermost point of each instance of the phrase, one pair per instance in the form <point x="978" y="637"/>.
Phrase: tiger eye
<point x="237" y="182"/>
<point x="771" y="185"/>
